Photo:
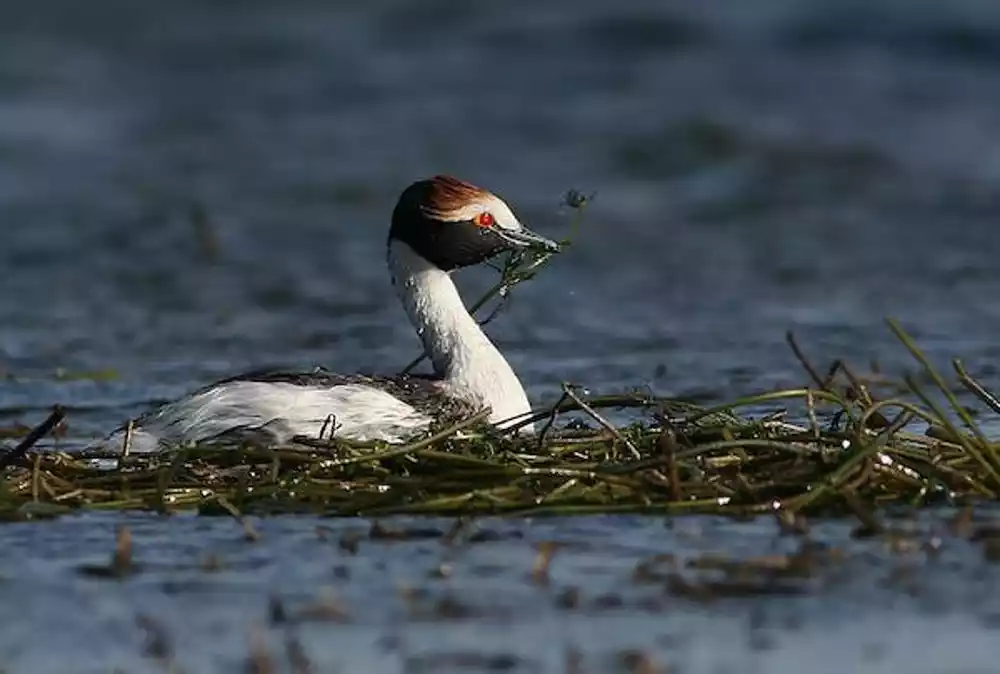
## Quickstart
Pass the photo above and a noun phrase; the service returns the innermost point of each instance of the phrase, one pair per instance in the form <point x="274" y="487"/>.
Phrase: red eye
<point x="484" y="220"/>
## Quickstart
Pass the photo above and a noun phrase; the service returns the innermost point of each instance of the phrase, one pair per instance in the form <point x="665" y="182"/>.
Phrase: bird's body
<point x="438" y="225"/>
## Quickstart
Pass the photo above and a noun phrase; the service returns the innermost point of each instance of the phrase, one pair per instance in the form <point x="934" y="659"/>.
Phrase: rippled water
<point x="191" y="189"/>
<point x="206" y="599"/>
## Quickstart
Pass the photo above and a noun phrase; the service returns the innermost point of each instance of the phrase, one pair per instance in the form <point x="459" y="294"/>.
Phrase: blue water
<point x="418" y="605"/>
<point x="188" y="190"/>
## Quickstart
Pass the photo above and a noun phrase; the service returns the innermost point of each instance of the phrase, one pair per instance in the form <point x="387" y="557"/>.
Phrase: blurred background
<point x="189" y="189"/>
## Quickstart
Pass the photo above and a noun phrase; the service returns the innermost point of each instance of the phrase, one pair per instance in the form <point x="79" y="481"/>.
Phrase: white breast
<point x="473" y="369"/>
<point x="280" y="409"/>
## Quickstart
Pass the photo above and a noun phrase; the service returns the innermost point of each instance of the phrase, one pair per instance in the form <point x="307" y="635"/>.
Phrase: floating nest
<point x="843" y="443"/>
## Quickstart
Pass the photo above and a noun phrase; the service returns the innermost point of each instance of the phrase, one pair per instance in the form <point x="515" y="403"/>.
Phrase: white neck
<point x="472" y="367"/>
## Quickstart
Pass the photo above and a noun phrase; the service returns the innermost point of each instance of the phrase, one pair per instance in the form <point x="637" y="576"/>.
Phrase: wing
<point x="421" y="391"/>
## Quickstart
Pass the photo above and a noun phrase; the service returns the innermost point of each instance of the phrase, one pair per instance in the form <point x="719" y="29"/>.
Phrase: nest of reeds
<point x="830" y="446"/>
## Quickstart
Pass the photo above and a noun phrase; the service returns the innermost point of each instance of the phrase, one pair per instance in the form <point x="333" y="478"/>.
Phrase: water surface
<point x="922" y="600"/>
<point x="794" y="167"/>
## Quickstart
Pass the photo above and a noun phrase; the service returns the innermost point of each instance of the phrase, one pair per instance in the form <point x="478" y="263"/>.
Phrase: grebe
<point x="438" y="225"/>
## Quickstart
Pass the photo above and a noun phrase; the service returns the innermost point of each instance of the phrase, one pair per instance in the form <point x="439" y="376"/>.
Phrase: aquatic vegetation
<point x="831" y="446"/>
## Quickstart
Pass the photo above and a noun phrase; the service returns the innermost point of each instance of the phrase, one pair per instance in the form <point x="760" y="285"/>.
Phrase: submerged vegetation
<point x="840" y="443"/>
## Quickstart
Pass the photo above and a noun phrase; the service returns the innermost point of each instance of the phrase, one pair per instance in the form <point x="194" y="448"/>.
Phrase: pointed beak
<point x="525" y="238"/>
